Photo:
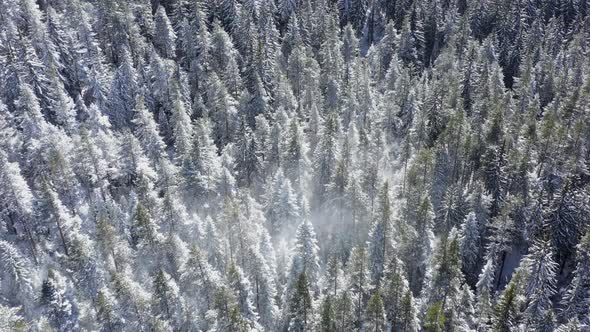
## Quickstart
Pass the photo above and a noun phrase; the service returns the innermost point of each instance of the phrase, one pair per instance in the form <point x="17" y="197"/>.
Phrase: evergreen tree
<point x="300" y="306"/>
<point x="282" y="211"/>
<point x="542" y="271"/>
<point x="485" y="293"/>
<point x="242" y="289"/>
<point x="57" y="304"/>
<point x="375" y="313"/>
<point x="442" y="291"/>
<point x="124" y="89"/>
<point x="380" y="237"/>
<point x="264" y="285"/>
<point x="146" y="131"/>
<point x="246" y="165"/>
<point x="295" y="161"/>
<point x="398" y="300"/>
<point x="305" y="256"/>
<point x="222" y="108"/>
<point x="133" y="299"/>
<point x="507" y="309"/>
<point x="143" y="230"/>
<point x="359" y="283"/>
<point x="202" y="166"/>
<point x="106" y="314"/>
<point x="164" y="37"/>
<point x="16" y="281"/>
<point x="328" y="316"/>
<point x="17" y="202"/>
<point x="470" y="244"/>
<point x="165" y="301"/>
<point x="182" y="129"/>
<point x="576" y="296"/>
<point x="325" y="157"/>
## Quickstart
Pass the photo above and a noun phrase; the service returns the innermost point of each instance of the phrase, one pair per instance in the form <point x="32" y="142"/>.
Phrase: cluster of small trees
<point x="294" y="165"/>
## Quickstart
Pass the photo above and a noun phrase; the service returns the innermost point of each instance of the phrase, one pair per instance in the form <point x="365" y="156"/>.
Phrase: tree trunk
<point x="61" y="234"/>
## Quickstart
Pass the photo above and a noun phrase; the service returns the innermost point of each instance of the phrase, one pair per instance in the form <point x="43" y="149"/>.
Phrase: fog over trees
<point x="294" y="165"/>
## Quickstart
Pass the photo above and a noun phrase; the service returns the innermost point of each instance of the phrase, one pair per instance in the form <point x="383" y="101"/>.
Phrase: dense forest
<point x="294" y="165"/>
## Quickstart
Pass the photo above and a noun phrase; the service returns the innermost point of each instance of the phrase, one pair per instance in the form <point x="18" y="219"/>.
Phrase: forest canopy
<point x="294" y="165"/>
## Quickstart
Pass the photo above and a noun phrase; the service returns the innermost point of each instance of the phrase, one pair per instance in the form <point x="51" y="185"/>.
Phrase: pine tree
<point x="124" y="89"/>
<point x="295" y="161"/>
<point x="143" y="230"/>
<point x="182" y="129"/>
<point x="243" y="291"/>
<point x="165" y="298"/>
<point x="66" y="225"/>
<point x="106" y="314"/>
<point x="343" y="307"/>
<point x="380" y="236"/>
<point x="247" y="164"/>
<point x="572" y="325"/>
<point x="406" y="50"/>
<point x="300" y="305"/>
<point x="111" y="247"/>
<point x="56" y="303"/>
<point x="30" y="119"/>
<point x="409" y="321"/>
<point x="305" y="256"/>
<point x="563" y="218"/>
<point x="9" y="135"/>
<point x="333" y="276"/>
<point x="222" y="108"/>
<point x="200" y="279"/>
<point x="227" y="182"/>
<point x="16" y="280"/>
<point x="575" y="299"/>
<point x="264" y="285"/>
<point x="398" y="300"/>
<point x="164" y="37"/>
<point x="146" y="131"/>
<point x="353" y="12"/>
<point x="213" y="245"/>
<point x="359" y="282"/>
<point x="328" y="316"/>
<point x="227" y="314"/>
<point x="274" y="149"/>
<point x="133" y="299"/>
<point x="542" y="272"/>
<point x="416" y="253"/>
<point x="325" y="158"/>
<point x="331" y="64"/>
<point x="508" y="306"/>
<point x="282" y="210"/>
<point x="442" y="291"/>
<point x="435" y="319"/>
<point x="33" y="73"/>
<point x="375" y="313"/>
<point x="135" y="168"/>
<point x="17" y="202"/>
<point x="470" y="242"/>
<point x="63" y="106"/>
<point x="485" y="294"/>
<point x="286" y="8"/>
<point x="202" y="165"/>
